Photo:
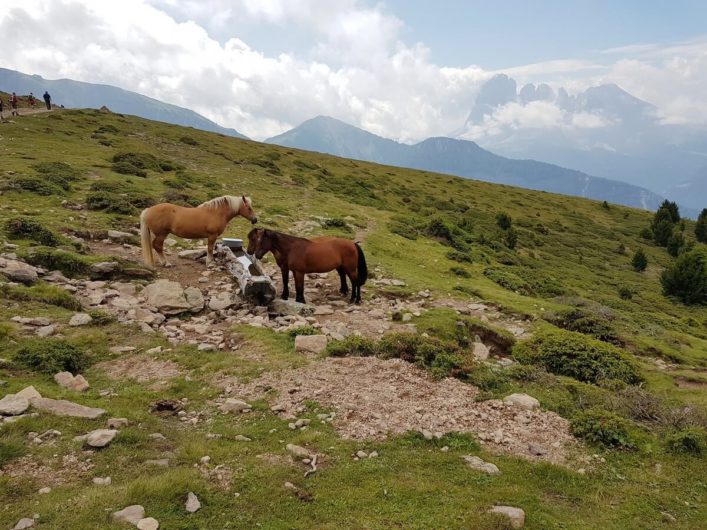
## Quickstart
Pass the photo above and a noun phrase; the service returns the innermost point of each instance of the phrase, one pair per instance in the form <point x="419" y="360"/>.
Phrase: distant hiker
<point x="48" y="100"/>
<point x="32" y="100"/>
<point x="13" y="105"/>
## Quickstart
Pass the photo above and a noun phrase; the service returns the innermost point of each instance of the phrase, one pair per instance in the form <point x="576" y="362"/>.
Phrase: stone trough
<point x="256" y="287"/>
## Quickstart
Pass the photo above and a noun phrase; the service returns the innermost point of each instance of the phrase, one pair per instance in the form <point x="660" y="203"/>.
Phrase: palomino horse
<point x="319" y="254"/>
<point x="207" y="220"/>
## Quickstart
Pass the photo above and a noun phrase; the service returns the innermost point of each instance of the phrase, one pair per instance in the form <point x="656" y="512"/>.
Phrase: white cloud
<point x="356" y="67"/>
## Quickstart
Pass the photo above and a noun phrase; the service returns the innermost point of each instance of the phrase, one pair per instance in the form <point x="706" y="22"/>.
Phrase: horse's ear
<point x="244" y="199"/>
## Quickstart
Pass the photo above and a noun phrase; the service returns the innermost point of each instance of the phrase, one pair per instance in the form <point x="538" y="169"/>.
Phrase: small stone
<point x="23" y="523"/>
<point x="361" y="454"/>
<point x="407" y="317"/>
<point x="427" y="435"/>
<point x="117" y="423"/>
<point x="523" y="401"/>
<point x="160" y="462"/>
<point x="101" y="437"/>
<point x="298" y="451"/>
<point x="45" y="331"/>
<point x="131" y="514"/>
<point x="80" y="319"/>
<point x="516" y="515"/>
<point x="148" y="523"/>
<point x="205" y="346"/>
<point x="205" y="459"/>
<point x="290" y="486"/>
<point x="311" y="343"/>
<point x="537" y="449"/>
<point x="152" y="351"/>
<point x="192" y="505"/>
<point x="13" y="404"/>
<point x="477" y="463"/>
<point x="44" y="490"/>
<point x="668" y="517"/>
<point x="234" y="405"/>
<point x="157" y="436"/>
<point x="102" y="481"/>
<point x="373" y="454"/>
<point x="241" y="438"/>
<point x="481" y="351"/>
<point x="445" y="449"/>
<point x="29" y="393"/>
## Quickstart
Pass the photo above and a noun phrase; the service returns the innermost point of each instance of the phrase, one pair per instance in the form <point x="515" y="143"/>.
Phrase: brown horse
<point x="207" y="220"/>
<point x="319" y="254"/>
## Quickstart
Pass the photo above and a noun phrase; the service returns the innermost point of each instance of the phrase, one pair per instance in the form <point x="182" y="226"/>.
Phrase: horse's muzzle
<point x="253" y="220"/>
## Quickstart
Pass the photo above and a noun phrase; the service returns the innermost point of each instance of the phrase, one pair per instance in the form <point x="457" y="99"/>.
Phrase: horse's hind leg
<point x="210" y="250"/>
<point x="344" y="286"/>
<point x="299" y="287"/>
<point x="158" y="245"/>
<point x="355" y="289"/>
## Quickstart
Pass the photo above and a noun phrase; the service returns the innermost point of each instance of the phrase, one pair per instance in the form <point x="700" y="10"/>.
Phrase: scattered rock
<point x="104" y="267"/>
<point x="61" y="407"/>
<point x="67" y="380"/>
<point x="131" y="514"/>
<point x="205" y="346"/>
<point x="160" y="462"/>
<point x="45" y="331"/>
<point x="241" y="438"/>
<point x="537" y="449"/>
<point x="477" y="463"/>
<point x="101" y="437"/>
<point x="157" y="436"/>
<point x="298" y="451"/>
<point x="192" y="505"/>
<point x="362" y="454"/>
<point x="102" y="481"/>
<point x="321" y="310"/>
<point x="148" y="523"/>
<point x="118" y="236"/>
<point x="23" y="523"/>
<point x="481" y="351"/>
<point x="13" y="404"/>
<point x="18" y="271"/>
<point x="234" y="405"/>
<point x="29" y="393"/>
<point x="171" y="299"/>
<point x="221" y="300"/>
<point x="44" y="490"/>
<point x="311" y="343"/>
<point x="290" y="307"/>
<point x="80" y="319"/>
<point x="117" y="423"/>
<point x="516" y="515"/>
<point x="194" y="254"/>
<point x="523" y="401"/>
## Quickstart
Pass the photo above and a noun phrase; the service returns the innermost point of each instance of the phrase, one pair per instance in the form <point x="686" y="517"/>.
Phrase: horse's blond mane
<point x="234" y="202"/>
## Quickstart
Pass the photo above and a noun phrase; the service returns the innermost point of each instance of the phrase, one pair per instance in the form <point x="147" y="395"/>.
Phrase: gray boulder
<point x="13" y="405"/>
<point x="171" y="299"/>
<point x="311" y="343"/>
<point x="80" y="319"/>
<point x="18" y="271"/>
<point x="523" y="401"/>
<point x="100" y="437"/>
<point x="131" y="514"/>
<point x="290" y="307"/>
<point x="516" y="515"/>
<point x="61" y="407"/>
<point x="477" y="463"/>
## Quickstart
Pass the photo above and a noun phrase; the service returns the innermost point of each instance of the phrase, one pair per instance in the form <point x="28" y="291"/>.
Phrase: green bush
<point x="43" y="293"/>
<point x="138" y="160"/>
<point x="675" y="243"/>
<point x="686" y="278"/>
<point x="691" y="441"/>
<point x="625" y="292"/>
<point x="51" y="356"/>
<point x="441" y="358"/>
<point x="488" y="379"/>
<point x="576" y="355"/>
<point x="101" y="318"/>
<point x="69" y="263"/>
<point x="510" y="238"/>
<point x="58" y="173"/>
<point x="403" y="229"/>
<point x="639" y="261"/>
<point x="662" y="232"/>
<point x="107" y="202"/>
<point x="460" y="271"/>
<point x="304" y="330"/>
<point x="461" y="257"/>
<point x="126" y="168"/>
<point x="504" y="221"/>
<point x="508" y="280"/>
<point x="447" y="233"/>
<point x="11" y="449"/>
<point x="38" y="186"/>
<point x="188" y="140"/>
<point x="108" y="128"/>
<point x="336" y="222"/>
<point x="586" y="322"/>
<point x="701" y="227"/>
<point x="353" y="346"/>
<point x="604" y="428"/>
<point x="26" y="228"/>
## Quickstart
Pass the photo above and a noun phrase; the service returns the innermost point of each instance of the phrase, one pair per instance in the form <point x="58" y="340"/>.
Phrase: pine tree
<point x="701" y="227"/>
<point x="639" y="261"/>
<point x="675" y="242"/>
<point x="686" y="279"/>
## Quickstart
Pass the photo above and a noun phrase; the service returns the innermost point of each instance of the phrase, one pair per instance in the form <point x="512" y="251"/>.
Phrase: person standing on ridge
<point x="13" y="105"/>
<point x="48" y="100"/>
<point x="32" y="100"/>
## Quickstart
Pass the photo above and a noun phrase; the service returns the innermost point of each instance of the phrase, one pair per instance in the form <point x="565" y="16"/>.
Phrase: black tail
<point x="362" y="271"/>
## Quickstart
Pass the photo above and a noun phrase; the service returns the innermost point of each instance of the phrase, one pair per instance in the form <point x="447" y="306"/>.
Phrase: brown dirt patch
<point x="374" y="398"/>
<point x="140" y="368"/>
<point x="694" y="384"/>
<point x="56" y="471"/>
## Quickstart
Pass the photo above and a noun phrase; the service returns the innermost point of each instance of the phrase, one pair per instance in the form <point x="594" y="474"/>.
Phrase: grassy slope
<point x="425" y="488"/>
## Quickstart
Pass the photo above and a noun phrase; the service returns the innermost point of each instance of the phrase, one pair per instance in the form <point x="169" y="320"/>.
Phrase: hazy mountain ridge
<point x="77" y="94"/>
<point x="459" y="157"/>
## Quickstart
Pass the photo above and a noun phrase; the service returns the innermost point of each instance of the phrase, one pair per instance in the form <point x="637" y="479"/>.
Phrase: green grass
<point x="434" y="232"/>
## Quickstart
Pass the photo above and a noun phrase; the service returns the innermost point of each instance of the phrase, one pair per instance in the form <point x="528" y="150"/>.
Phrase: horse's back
<point x="327" y="253"/>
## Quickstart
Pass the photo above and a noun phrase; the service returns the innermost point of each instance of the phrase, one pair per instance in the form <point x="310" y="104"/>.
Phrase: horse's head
<point x="259" y="242"/>
<point x="246" y="210"/>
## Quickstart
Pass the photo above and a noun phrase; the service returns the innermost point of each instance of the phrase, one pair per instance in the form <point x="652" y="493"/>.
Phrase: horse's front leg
<point x="285" y="281"/>
<point x="210" y="250"/>
<point x="158" y="245"/>
<point x="299" y="287"/>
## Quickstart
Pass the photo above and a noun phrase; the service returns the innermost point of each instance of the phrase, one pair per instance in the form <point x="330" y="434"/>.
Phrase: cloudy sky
<point x="404" y="69"/>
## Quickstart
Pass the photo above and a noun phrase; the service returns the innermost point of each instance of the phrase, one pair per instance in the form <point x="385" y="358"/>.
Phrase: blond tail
<point x="146" y="240"/>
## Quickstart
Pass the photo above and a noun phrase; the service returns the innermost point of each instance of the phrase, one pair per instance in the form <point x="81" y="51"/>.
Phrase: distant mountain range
<point x="78" y="94"/>
<point x="603" y="131"/>
<point x="459" y="157"/>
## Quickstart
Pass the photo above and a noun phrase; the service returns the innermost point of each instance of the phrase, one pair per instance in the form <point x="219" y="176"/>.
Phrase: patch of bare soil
<point x="53" y="473"/>
<point x="687" y="382"/>
<point x="374" y="398"/>
<point x="140" y="368"/>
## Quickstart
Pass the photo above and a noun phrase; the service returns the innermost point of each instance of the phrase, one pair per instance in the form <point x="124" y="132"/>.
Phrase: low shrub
<point x="488" y="379"/>
<point x="600" y="427"/>
<point x="10" y="450"/>
<point x="336" y="222"/>
<point x="690" y="441"/>
<point x="625" y="292"/>
<point x="508" y="280"/>
<point x="138" y="160"/>
<point x="26" y="228"/>
<point x="461" y="257"/>
<point x="403" y="228"/>
<point x="504" y="221"/>
<point x="353" y="346"/>
<point x="447" y="233"/>
<point x="107" y="202"/>
<point x="586" y="322"/>
<point x="576" y="355"/>
<point x="686" y="278"/>
<point x="126" y="168"/>
<point x="460" y="271"/>
<point x="101" y="318"/>
<point x="304" y="330"/>
<point x="441" y="358"/>
<point x="69" y="263"/>
<point x="510" y="238"/>
<point x="38" y="186"/>
<point x="188" y="140"/>
<point x="58" y="173"/>
<point x="41" y="292"/>
<point x="51" y="356"/>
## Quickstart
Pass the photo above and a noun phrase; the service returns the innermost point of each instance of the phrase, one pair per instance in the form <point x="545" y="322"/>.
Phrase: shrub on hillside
<point x="58" y="173"/>
<point x="303" y="330"/>
<point x="69" y="263"/>
<point x="26" y="228"/>
<point x="625" y="292"/>
<point x="504" y="221"/>
<point x="639" y="261"/>
<point x="126" y="168"/>
<point x="460" y="271"/>
<point x="441" y="358"/>
<point x="352" y="346"/>
<point x="108" y="202"/>
<point x="100" y="317"/>
<point x="461" y="257"/>
<point x="576" y="355"/>
<point x="691" y="441"/>
<point x="585" y="322"/>
<point x="188" y="140"/>
<point x="701" y="226"/>
<point x="686" y="278"/>
<point x="603" y="428"/>
<point x="662" y="232"/>
<point x="676" y="242"/>
<point x="138" y="160"/>
<point x="508" y="280"/>
<point x="38" y="186"/>
<point x="447" y="233"/>
<point x="51" y="356"/>
<point x="337" y="222"/>
<point x="510" y="238"/>
<point x="41" y="292"/>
